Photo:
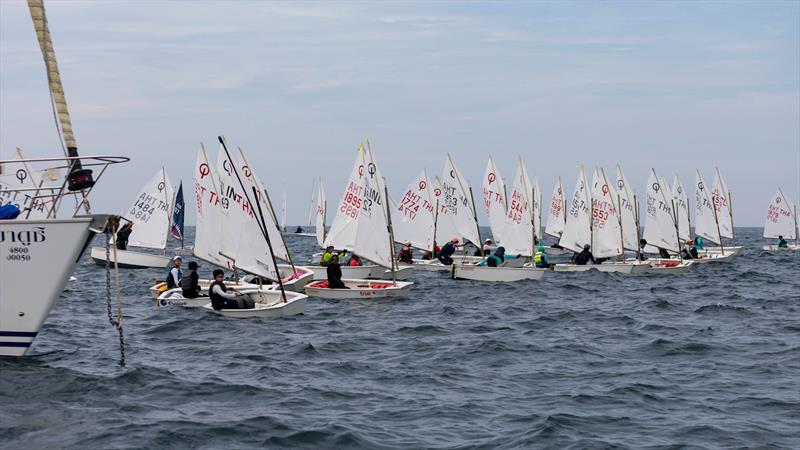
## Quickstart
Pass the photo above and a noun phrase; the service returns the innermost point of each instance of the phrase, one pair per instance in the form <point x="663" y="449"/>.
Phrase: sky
<point x="675" y="86"/>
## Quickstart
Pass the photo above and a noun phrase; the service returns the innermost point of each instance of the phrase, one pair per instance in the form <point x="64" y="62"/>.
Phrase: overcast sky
<point x="675" y="86"/>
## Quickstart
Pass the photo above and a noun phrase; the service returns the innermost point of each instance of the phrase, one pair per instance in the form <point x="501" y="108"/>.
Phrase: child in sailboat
<point x="335" y="274"/>
<point x="355" y="261"/>
<point x="582" y="258"/>
<point x="122" y="236"/>
<point x="405" y="255"/>
<point x="781" y="242"/>
<point x="446" y="254"/>
<point x="222" y="299"/>
<point x="175" y="274"/>
<point x="190" y="284"/>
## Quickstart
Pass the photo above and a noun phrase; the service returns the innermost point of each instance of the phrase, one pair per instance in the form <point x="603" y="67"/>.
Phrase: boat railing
<point x="50" y="196"/>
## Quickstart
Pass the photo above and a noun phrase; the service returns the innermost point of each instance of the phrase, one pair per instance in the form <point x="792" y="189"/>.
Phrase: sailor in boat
<point x="781" y="242"/>
<point x="190" y="285"/>
<point x="328" y="254"/>
<point x="662" y="252"/>
<point x="299" y="229"/>
<point x="642" y="245"/>
<point x="446" y="253"/>
<point x="354" y="261"/>
<point x="222" y="299"/>
<point x="486" y="250"/>
<point x="689" y="252"/>
<point x="406" y="255"/>
<point x="582" y="258"/>
<point x="122" y="236"/>
<point x="174" y="275"/>
<point x="335" y="274"/>
<point x="698" y="243"/>
<point x="497" y="259"/>
<point x="428" y="255"/>
<point x="540" y="258"/>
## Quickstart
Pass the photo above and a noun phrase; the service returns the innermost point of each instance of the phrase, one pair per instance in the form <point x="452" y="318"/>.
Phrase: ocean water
<point x="708" y="359"/>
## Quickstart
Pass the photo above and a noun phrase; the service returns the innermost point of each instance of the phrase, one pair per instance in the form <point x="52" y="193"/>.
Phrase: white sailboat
<point x="38" y="253"/>
<point x="518" y="237"/>
<point x="721" y="199"/>
<point x="363" y="226"/>
<point x="781" y="221"/>
<point x="707" y="225"/>
<point x="151" y="214"/>
<point x="321" y="210"/>
<point x="594" y="219"/>
<point x="682" y="209"/>
<point x="494" y="200"/>
<point x="629" y="212"/>
<point x="457" y="198"/>
<point x="557" y="217"/>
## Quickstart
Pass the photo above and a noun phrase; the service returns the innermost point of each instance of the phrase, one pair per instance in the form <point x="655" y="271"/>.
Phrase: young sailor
<point x="299" y="229"/>
<point x="497" y="259"/>
<point x="446" y="253"/>
<point x="428" y="255"/>
<point x="405" y="255"/>
<point x="174" y="275"/>
<point x="585" y="256"/>
<point x="540" y="258"/>
<point x="335" y="274"/>
<point x="781" y="242"/>
<point x="486" y="250"/>
<point x="190" y="285"/>
<point x="328" y="254"/>
<point x="698" y="243"/>
<point x="122" y="236"/>
<point x="222" y="299"/>
<point x="355" y="261"/>
<point x="689" y="252"/>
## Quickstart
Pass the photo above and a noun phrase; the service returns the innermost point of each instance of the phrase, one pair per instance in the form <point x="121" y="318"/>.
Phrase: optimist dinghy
<point x="151" y="214"/>
<point x="781" y="221"/>
<point x="363" y="226"/>
<point x="270" y="303"/>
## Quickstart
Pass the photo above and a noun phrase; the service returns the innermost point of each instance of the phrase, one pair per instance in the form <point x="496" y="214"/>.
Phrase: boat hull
<point x="268" y="305"/>
<point x="608" y="266"/>
<point x="660" y="265"/>
<point x="321" y="273"/>
<point x="29" y="249"/>
<point x="497" y="274"/>
<point x="359" y="289"/>
<point x="775" y="248"/>
<point x="128" y="259"/>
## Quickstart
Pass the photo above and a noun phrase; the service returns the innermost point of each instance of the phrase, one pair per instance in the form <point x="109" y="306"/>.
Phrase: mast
<point x="638" y="229"/>
<point x="435" y="221"/>
<point x="262" y="225"/>
<point x="170" y="205"/>
<point x="475" y="216"/>
<point x="391" y="232"/>
<point x="730" y="211"/>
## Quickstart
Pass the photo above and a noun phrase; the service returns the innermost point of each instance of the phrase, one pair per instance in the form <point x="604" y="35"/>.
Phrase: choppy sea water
<point x="707" y="359"/>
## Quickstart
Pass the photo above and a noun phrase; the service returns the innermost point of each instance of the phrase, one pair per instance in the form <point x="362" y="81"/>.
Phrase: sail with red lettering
<point x="322" y="205"/>
<point x="556" y="214"/>
<point x="705" y="216"/>
<point x="606" y="231"/>
<point x="413" y="214"/>
<point x="151" y="213"/>
<point x="681" y="209"/>
<point x="494" y="199"/>
<point x="207" y="230"/>
<point x="518" y="232"/>
<point x="445" y="230"/>
<point x="720" y="196"/>
<point x="458" y="200"/>
<point x="781" y="220"/>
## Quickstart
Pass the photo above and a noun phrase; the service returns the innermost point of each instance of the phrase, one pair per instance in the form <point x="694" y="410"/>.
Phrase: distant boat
<point x="781" y="221"/>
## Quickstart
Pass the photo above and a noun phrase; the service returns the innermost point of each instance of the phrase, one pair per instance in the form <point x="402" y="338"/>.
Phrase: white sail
<point x="311" y="205"/>
<point x="413" y="215"/>
<point x="537" y="209"/>
<point x="320" y="215"/>
<point x="207" y="232"/>
<point x="458" y="200"/>
<point x="628" y="211"/>
<point x="445" y="227"/>
<point x="577" y="231"/>
<point x="556" y="216"/>
<point x="781" y="220"/>
<point x="606" y="231"/>
<point x="705" y="216"/>
<point x="518" y="232"/>
<point x="17" y="175"/>
<point x="682" y="208"/>
<point x="233" y="206"/>
<point x="494" y="200"/>
<point x="252" y="252"/>
<point x="659" y="226"/>
<point x="722" y="202"/>
<point x="360" y="225"/>
<point x="151" y="213"/>
<point x="248" y="175"/>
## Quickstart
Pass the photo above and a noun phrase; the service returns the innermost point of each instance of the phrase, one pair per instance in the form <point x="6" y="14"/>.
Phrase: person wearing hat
<point x="190" y="285"/>
<point x="582" y="258"/>
<point x="406" y="256"/>
<point x="446" y="253"/>
<point x="689" y="252"/>
<point x="222" y="299"/>
<point x="174" y="275"/>
<point x="486" y="250"/>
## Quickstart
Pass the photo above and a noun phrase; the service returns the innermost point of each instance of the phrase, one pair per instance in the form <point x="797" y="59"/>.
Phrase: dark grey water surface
<point x="707" y="359"/>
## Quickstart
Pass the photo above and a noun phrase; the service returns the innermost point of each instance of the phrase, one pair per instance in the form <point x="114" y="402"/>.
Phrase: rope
<point x="112" y="225"/>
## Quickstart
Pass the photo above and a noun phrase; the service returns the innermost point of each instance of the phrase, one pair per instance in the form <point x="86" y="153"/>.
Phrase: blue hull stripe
<point x="15" y="344"/>
<point x="19" y="333"/>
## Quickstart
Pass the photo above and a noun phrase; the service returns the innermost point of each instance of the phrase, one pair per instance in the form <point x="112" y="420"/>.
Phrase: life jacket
<point x="494" y="261"/>
<point x="171" y="281"/>
<point x="217" y="301"/>
<point x="326" y="258"/>
<point x="538" y="259"/>
<point x="781" y="243"/>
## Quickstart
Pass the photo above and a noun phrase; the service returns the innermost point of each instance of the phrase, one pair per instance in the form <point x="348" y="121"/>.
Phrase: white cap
<point x="177" y="257"/>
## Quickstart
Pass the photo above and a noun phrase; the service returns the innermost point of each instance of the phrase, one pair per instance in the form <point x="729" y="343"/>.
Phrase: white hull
<point x="157" y="290"/>
<point x="775" y="248"/>
<point x="268" y="305"/>
<point x="608" y="266"/>
<point x="430" y="265"/>
<point x="728" y="250"/>
<point x="402" y="273"/>
<point x="660" y="265"/>
<point x="294" y="281"/>
<point x="363" y="289"/>
<point x="714" y="258"/>
<point x="128" y="259"/>
<point x="40" y="253"/>
<point x="321" y="273"/>
<point x="287" y="233"/>
<point x="502" y="274"/>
